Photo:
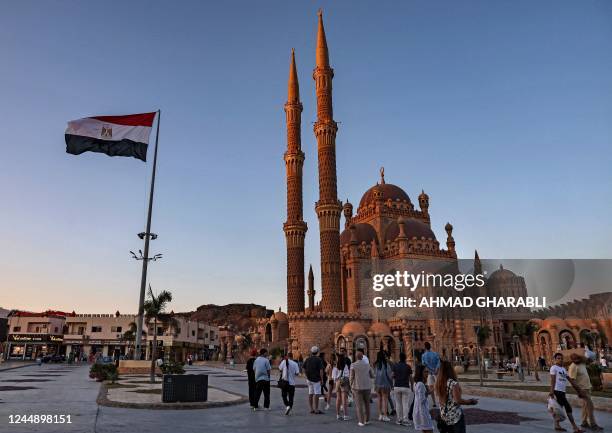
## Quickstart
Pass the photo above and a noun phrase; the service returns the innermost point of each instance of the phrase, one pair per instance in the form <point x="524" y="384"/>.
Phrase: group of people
<point x="408" y="394"/>
<point x="578" y="377"/>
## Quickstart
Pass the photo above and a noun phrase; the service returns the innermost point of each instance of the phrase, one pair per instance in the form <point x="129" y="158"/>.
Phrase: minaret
<point x="311" y="290"/>
<point x="295" y="227"/>
<point x="328" y="207"/>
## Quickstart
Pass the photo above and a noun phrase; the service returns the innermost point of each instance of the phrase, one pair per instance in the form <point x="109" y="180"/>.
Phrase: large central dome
<point x="388" y="190"/>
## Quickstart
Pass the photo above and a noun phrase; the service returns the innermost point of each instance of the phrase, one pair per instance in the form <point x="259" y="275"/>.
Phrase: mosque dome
<point x="280" y="317"/>
<point x="412" y="227"/>
<point x="501" y="275"/>
<point x="380" y="329"/>
<point x="353" y="328"/>
<point x="387" y="191"/>
<point x="363" y="231"/>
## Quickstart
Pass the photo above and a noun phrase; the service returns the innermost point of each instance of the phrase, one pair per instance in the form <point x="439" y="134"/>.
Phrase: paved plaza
<point x="65" y="389"/>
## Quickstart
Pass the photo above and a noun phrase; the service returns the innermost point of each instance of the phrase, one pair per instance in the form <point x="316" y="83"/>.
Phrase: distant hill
<point x="240" y="316"/>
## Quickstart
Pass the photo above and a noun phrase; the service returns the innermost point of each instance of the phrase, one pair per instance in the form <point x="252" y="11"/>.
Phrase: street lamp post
<point x="145" y="261"/>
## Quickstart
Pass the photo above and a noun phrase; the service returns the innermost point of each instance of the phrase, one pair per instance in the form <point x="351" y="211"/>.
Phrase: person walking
<point x="313" y="367"/>
<point x="360" y="379"/>
<point x="329" y="368"/>
<point x="289" y="369"/>
<point x="421" y="415"/>
<point x="341" y="378"/>
<point x="558" y="385"/>
<point x="251" y="378"/>
<point x="402" y="389"/>
<point x="579" y="374"/>
<point x="431" y="360"/>
<point x="382" y="385"/>
<point x="448" y="392"/>
<point x="262" y="379"/>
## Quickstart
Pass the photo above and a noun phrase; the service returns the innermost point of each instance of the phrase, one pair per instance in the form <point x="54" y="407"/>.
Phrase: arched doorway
<point x="567" y="340"/>
<point x="268" y="336"/>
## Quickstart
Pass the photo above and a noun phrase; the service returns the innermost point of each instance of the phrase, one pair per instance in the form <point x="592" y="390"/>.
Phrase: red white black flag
<point x="111" y="135"/>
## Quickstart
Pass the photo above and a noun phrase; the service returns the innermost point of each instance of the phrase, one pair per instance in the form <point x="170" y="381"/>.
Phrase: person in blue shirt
<point x="431" y="360"/>
<point x="262" y="379"/>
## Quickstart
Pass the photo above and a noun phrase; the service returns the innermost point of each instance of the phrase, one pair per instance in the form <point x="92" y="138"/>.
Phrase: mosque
<point x="386" y="229"/>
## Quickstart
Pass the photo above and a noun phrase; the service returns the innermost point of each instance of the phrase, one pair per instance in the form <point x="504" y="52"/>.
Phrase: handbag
<point x="344" y="381"/>
<point x="282" y="383"/>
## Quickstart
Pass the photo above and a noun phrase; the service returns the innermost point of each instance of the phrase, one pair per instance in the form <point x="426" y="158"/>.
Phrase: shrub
<point x="102" y="372"/>
<point x="594" y="374"/>
<point x="173" y="368"/>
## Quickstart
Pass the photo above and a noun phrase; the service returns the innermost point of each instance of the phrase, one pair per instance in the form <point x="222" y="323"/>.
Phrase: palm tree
<point x="130" y="336"/>
<point x="155" y="309"/>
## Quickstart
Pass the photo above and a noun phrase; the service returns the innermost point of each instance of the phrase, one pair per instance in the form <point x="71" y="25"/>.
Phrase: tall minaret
<point x="295" y="227"/>
<point x="328" y="207"/>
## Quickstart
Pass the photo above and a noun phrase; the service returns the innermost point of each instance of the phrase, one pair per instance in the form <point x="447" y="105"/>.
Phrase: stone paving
<point x="137" y="390"/>
<point x="70" y="391"/>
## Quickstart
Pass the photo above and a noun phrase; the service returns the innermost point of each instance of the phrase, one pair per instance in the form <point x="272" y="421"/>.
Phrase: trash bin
<point x="184" y="388"/>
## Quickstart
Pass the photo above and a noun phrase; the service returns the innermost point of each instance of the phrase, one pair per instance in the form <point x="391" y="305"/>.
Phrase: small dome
<point x="388" y="190"/>
<point x="364" y="232"/>
<point x="280" y="317"/>
<point x="273" y="319"/>
<point x="412" y="227"/>
<point x="380" y="329"/>
<point x="353" y="328"/>
<point x="502" y="274"/>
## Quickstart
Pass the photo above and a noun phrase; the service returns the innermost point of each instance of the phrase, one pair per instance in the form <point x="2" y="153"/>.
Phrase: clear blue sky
<point x="501" y="111"/>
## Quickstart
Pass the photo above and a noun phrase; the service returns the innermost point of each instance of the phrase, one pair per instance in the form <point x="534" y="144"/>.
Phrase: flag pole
<point x="145" y="261"/>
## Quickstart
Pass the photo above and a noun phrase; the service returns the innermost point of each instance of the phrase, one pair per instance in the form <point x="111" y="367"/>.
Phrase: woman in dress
<point x="421" y="415"/>
<point x="383" y="383"/>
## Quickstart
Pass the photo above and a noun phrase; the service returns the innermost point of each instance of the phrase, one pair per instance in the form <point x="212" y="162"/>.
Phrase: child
<point x="420" y="414"/>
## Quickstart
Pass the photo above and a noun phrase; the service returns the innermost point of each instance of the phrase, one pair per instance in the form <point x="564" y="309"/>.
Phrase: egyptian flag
<point x="112" y="135"/>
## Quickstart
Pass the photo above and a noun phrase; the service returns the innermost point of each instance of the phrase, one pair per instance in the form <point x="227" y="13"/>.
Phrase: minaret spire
<point x="322" y="51"/>
<point x="295" y="228"/>
<point x="293" y="92"/>
<point x="311" y="290"/>
<point x="328" y="207"/>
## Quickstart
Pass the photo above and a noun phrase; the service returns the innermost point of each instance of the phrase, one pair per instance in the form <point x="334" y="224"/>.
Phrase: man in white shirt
<point x="558" y="384"/>
<point x="289" y="369"/>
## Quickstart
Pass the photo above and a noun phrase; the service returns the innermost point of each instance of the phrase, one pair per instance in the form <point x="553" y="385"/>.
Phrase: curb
<point x="103" y="400"/>
<point x="600" y="403"/>
<point x="14" y="368"/>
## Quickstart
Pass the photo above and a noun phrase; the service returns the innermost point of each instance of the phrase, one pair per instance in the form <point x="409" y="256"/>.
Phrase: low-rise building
<point x="86" y="336"/>
<point x="33" y="335"/>
<point x="92" y="334"/>
<point x="180" y="337"/>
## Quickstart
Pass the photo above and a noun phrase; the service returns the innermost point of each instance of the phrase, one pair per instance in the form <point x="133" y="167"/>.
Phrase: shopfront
<point x="32" y="346"/>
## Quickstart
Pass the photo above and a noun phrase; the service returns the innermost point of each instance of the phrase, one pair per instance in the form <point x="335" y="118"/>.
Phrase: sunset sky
<point x="501" y="111"/>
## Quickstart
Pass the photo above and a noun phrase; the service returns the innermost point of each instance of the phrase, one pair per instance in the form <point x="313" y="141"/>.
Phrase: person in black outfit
<point x="251" y="376"/>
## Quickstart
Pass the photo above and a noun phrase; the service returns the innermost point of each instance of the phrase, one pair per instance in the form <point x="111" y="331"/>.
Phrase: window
<point x="16" y="328"/>
<point x="96" y="329"/>
<point x="81" y="330"/>
<point x="116" y="328"/>
<point x="193" y="333"/>
<point x="55" y="330"/>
